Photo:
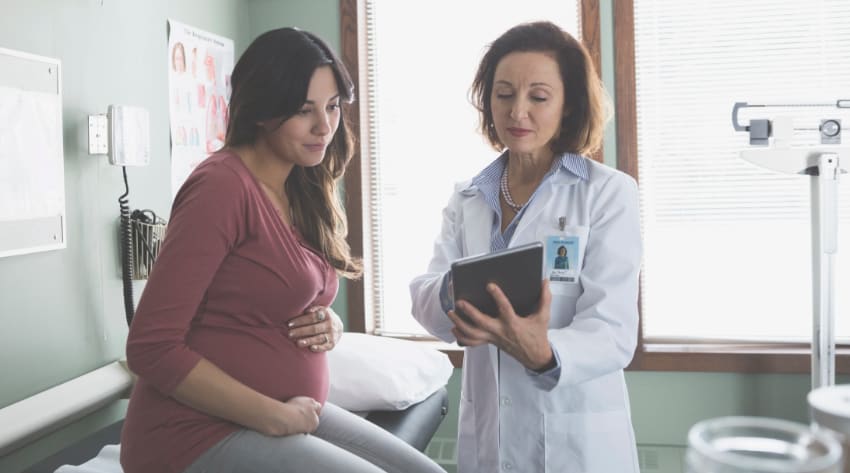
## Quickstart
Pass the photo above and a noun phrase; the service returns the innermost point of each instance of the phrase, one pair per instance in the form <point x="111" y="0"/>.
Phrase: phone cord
<point x="126" y="236"/>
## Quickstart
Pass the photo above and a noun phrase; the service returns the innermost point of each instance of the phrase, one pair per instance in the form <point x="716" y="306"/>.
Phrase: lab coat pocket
<point x="589" y="442"/>
<point x="565" y="289"/>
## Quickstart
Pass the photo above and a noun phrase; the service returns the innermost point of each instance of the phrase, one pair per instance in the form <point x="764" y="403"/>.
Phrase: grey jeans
<point x="343" y="442"/>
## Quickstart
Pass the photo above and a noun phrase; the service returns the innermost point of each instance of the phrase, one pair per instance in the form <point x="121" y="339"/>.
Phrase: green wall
<point x="113" y="52"/>
<point x="61" y="311"/>
<point x="317" y="16"/>
<point x="69" y="302"/>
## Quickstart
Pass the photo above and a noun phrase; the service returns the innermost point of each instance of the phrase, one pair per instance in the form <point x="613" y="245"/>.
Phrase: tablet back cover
<point x="517" y="271"/>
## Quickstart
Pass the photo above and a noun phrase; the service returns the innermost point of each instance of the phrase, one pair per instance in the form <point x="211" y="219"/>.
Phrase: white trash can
<point x="830" y="409"/>
<point x="760" y="445"/>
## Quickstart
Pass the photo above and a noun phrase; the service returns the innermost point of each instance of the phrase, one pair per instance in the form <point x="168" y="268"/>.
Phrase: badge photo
<point x="562" y="258"/>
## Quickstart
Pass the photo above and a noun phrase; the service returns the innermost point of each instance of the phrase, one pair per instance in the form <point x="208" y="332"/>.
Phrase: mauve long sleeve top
<point x="229" y="276"/>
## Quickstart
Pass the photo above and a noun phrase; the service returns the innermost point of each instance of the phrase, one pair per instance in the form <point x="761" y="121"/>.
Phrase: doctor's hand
<point x="524" y="338"/>
<point x="318" y="329"/>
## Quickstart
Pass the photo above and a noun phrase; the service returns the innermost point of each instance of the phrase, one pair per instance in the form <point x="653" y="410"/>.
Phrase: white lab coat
<point x="510" y="419"/>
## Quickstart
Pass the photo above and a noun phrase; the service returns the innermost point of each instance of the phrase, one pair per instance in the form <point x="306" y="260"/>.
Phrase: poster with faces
<point x="199" y="67"/>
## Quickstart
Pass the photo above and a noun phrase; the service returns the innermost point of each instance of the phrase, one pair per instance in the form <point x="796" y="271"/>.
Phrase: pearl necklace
<point x="506" y="193"/>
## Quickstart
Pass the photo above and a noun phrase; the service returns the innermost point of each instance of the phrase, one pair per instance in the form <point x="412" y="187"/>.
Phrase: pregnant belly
<point x="265" y="359"/>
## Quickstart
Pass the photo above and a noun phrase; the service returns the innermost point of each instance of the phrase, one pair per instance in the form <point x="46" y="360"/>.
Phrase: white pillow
<point x="380" y="373"/>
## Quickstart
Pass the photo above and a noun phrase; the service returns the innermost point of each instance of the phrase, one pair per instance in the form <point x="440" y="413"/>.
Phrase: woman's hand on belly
<point x="317" y="329"/>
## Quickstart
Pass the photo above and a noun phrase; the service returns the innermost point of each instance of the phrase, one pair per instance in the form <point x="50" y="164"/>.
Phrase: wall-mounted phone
<point x="124" y="134"/>
<point x="129" y="136"/>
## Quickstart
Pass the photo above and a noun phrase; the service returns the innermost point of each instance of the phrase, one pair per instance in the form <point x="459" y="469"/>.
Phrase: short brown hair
<point x="586" y="104"/>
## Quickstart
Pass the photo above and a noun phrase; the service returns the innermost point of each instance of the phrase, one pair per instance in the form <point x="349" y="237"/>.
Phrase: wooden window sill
<point x="732" y="357"/>
<point x="454" y="352"/>
<point x="698" y="357"/>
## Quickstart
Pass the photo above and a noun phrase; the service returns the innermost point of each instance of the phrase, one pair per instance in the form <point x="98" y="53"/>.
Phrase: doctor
<point x="543" y="393"/>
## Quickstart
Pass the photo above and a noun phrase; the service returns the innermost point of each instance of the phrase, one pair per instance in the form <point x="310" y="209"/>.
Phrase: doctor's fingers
<point x="470" y="329"/>
<point x="466" y="340"/>
<point x="477" y="319"/>
<point x="468" y="334"/>
<point x="503" y="304"/>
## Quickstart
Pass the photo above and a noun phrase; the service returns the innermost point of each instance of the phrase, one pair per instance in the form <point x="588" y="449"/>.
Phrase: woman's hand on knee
<point x="305" y="414"/>
<point x="299" y="415"/>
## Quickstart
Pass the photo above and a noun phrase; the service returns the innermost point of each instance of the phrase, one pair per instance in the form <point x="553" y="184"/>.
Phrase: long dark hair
<point x="586" y="105"/>
<point x="270" y="81"/>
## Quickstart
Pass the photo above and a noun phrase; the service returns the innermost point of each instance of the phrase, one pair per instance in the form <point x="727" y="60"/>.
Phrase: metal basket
<point x="147" y="240"/>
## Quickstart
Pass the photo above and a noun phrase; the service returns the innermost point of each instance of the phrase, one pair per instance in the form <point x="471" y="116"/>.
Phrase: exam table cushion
<point x="369" y="373"/>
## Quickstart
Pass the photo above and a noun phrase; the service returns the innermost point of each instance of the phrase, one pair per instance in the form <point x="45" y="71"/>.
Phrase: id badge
<point x="562" y="260"/>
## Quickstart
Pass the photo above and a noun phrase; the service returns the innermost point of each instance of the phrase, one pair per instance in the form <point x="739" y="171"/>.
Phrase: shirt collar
<point x="575" y="164"/>
<point x="488" y="179"/>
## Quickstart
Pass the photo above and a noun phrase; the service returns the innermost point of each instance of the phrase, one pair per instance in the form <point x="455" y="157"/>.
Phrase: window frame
<point x="350" y="12"/>
<point x="667" y="355"/>
<point x="688" y="355"/>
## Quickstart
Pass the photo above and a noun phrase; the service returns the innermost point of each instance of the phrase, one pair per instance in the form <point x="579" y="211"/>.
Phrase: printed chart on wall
<point x="199" y="68"/>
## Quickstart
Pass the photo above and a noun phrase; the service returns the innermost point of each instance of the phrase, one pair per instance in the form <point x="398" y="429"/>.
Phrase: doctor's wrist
<point x="547" y="364"/>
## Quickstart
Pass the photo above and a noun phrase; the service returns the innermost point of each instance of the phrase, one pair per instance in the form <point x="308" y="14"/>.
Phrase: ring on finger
<point x="327" y="339"/>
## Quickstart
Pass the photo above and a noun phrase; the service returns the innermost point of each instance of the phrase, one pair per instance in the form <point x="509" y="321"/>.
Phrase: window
<point x="419" y="131"/>
<point x="727" y="244"/>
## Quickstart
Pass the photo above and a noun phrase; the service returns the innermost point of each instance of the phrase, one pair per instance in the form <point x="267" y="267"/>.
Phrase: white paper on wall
<point x="31" y="161"/>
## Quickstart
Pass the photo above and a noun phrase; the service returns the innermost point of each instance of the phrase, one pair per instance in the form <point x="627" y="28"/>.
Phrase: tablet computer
<point x="517" y="271"/>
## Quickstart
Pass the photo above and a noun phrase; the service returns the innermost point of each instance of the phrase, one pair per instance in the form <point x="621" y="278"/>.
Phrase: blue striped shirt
<point x="488" y="182"/>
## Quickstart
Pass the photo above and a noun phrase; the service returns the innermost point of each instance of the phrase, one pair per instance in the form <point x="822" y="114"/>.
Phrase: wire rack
<point x="147" y="240"/>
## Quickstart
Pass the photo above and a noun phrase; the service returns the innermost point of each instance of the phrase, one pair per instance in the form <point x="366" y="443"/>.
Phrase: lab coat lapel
<point x="478" y="221"/>
<point x="531" y="213"/>
<point x="546" y="198"/>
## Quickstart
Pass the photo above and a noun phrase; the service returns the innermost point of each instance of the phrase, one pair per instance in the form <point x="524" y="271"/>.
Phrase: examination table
<point x="415" y="425"/>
